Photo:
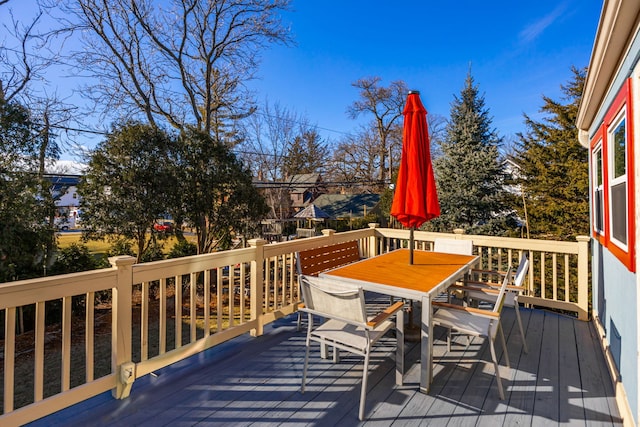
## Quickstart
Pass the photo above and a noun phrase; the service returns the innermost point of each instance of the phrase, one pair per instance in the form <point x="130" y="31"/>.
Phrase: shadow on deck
<point x="256" y="381"/>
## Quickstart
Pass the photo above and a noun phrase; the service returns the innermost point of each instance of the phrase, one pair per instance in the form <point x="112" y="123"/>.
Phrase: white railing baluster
<point x="178" y="312"/>
<point x="567" y="279"/>
<point x="38" y="358"/>
<point x="192" y="306"/>
<point x="89" y="334"/>
<point x="206" y="289"/>
<point x="9" y="356"/>
<point x="144" y="322"/>
<point x="66" y="343"/>
<point x="162" y="321"/>
<point x="554" y="275"/>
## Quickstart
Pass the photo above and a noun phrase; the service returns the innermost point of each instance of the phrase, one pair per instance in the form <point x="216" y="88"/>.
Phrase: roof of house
<point x="303" y="182"/>
<point x="347" y="205"/>
<point x="616" y="32"/>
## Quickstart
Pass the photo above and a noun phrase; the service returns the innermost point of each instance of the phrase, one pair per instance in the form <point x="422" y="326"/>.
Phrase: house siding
<point x="614" y="308"/>
<point x="615" y="296"/>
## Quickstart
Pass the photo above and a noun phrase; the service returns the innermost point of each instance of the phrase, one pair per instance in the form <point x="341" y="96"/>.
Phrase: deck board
<point x="256" y="381"/>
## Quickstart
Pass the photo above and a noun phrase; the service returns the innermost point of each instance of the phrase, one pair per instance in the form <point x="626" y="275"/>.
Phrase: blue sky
<point x="517" y="52"/>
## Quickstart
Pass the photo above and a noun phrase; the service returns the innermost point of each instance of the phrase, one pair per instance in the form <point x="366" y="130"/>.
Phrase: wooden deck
<point x="256" y="381"/>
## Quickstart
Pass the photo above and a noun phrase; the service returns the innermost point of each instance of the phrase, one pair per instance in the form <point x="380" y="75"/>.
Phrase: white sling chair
<point x="476" y="323"/>
<point x="347" y="326"/>
<point x="488" y="291"/>
<point x="453" y="246"/>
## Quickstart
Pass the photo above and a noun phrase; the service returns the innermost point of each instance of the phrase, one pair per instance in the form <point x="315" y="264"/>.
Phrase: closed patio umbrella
<point x="415" y="200"/>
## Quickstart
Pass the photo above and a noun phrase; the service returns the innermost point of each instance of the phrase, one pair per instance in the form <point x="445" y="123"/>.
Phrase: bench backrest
<point x="314" y="261"/>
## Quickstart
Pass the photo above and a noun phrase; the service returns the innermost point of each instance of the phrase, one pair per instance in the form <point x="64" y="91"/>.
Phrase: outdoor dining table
<point x="430" y="274"/>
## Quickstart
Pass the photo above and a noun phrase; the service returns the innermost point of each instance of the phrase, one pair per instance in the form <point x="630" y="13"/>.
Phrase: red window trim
<point x="623" y="99"/>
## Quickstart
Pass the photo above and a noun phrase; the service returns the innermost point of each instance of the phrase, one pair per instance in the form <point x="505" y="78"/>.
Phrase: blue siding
<point x="616" y="306"/>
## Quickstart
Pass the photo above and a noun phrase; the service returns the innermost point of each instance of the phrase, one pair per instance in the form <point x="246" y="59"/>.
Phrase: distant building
<point x="303" y="189"/>
<point x="64" y="189"/>
<point x="347" y="206"/>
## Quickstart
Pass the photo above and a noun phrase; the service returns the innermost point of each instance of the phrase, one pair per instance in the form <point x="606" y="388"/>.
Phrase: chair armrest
<point x="480" y="285"/>
<point x="384" y="315"/>
<point x="483" y="289"/>
<point x="493" y="272"/>
<point x="470" y="310"/>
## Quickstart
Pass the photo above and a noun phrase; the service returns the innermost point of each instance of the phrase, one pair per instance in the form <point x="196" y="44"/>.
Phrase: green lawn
<point x="102" y="246"/>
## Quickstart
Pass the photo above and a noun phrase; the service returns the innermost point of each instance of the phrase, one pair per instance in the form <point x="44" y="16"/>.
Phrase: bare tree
<point x="182" y="64"/>
<point x="268" y="137"/>
<point x="17" y="66"/>
<point x="386" y="105"/>
<point x="356" y="161"/>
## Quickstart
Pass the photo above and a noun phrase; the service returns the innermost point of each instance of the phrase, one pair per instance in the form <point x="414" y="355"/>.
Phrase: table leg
<point x="426" y="345"/>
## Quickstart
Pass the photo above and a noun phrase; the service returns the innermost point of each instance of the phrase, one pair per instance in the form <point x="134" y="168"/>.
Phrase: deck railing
<point x="118" y="324"/>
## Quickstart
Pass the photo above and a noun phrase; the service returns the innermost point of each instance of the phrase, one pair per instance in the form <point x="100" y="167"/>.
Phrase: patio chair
<point x="347" y="326"/>
<point x="479" y="290"/>
<point x="312" y="262"/>
<point x="453" y="246"/>
<point x="476" y="322"/>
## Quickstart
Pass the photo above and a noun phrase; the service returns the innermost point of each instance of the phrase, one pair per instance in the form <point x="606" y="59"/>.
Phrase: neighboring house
<point x="64" y="189"/>
<point x="609" y="127"/>
<point x="347" y="206"/>
<point x="303" y="189"/>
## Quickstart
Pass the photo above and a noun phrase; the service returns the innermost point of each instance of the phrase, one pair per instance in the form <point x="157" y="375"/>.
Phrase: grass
<point x="102" y="246"/>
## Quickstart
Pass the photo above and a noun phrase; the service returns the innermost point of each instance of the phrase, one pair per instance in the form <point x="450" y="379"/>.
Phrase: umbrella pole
<point x="412" y="333"/>
<point x="411" y="245"/>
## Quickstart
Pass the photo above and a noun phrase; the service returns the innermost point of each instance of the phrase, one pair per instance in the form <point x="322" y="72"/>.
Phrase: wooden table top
<point x="428" y="271"/>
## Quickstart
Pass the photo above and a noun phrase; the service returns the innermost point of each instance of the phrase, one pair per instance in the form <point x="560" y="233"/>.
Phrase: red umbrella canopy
<point x="415" y="200"/>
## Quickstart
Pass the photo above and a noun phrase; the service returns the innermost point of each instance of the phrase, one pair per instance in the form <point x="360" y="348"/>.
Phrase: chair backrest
<point x="317" y="260"/>
<point x="521" y="272"/>
<point x="453" y="246"/>
<point x="497" y="308"/>
<point x="332" y="301"/>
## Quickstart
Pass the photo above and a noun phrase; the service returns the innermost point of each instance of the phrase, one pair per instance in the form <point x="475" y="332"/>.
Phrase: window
<point x="618" y="180"/>
<point x="612" y="183"/>
<point x="598" y="190"/>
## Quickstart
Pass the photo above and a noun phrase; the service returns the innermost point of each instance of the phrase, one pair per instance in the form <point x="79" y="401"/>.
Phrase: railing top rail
<point x="492" y="241"/>
<point x="185" y="265"/>
<point x="23" y="292"/>
<point x="297" y="245"/>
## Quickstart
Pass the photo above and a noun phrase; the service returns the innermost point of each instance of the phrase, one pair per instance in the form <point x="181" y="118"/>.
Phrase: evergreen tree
<point x="217" y="195"/>
<point x="305" y="154"/>
<point x="554" y="168"/>
<point x="24" y="232"/>
<point x="128" y="184"/>
<point x="470" y="173"/>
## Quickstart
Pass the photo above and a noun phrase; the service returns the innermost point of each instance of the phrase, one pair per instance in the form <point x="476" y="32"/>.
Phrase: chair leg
<point x="363" y="390"/>
<point x="524" y="338"/>
<point x="504" y="344"/>
<point x="399" y="347"/>
<point x="299" y="321"/>
<point x="496" y="367"/>
<point x="304" y="370"/>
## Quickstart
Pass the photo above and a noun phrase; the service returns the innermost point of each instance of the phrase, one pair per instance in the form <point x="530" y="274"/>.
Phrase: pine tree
<point x="305" y="154"/>
<point x="469" y="173"/>
<point x="554" y="168"/>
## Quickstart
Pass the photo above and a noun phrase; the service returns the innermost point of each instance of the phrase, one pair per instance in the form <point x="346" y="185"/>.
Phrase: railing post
<point x="328" y="232"/>
<point x="373" y="240"/>
<point x="458" y="232"/>
<point x="583" y="277"/>
<point x="121" y="363"/>
<point x="257" y="285"/>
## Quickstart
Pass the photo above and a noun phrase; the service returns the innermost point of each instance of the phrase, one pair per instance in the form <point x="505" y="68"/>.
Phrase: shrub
<point x="73" y="259"/>
<point x="182" y="248"/>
